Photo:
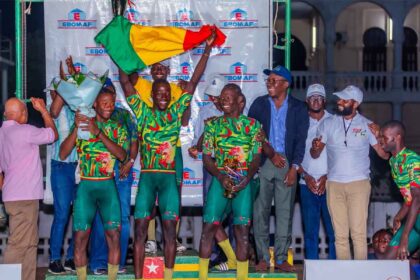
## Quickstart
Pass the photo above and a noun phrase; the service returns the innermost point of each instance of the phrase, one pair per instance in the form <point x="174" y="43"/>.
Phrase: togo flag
<point x="134" y="47"/>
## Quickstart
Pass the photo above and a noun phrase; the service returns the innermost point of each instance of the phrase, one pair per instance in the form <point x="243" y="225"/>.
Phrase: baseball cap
<point x="281" y="71"/>
<point x="350" y="92"/>
<point x="315" y="89"/>
<point x="214" y="88"/>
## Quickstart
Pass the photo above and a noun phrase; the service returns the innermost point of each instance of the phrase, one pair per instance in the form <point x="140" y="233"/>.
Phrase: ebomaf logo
<point x="205" y="100"/>
<point x="76" y="19"/>
<point x="238" y="73"/>
<point x="185" y="18"/>
<point x="238" y="18"/>
<point x="95" y="51"/>
<point x="80" y="67"/>
<point x="183" y="72"/>
<point x="190" y="178"/>
<point x="134" y="16"/>
<point x="215" y="51"/>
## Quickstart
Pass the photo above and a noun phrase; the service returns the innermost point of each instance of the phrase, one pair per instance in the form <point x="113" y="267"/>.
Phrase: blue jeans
<point x="98" y="247"/>
<point x="63" y="187"/>
<point x="314" y="207"/>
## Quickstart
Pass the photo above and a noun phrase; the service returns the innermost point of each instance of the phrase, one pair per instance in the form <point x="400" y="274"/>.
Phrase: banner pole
<point x="288" y="34"/>
<point x="18" y="42"/>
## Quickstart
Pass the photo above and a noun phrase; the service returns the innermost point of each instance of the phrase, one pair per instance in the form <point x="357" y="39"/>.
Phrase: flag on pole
<point x="134" y="47"/>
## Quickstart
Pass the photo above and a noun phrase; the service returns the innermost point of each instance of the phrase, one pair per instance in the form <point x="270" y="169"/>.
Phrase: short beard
<point x="347" y="111"/>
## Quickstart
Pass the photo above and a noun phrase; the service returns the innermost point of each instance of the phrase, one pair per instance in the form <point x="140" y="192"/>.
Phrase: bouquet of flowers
<point x="79" y="91"/>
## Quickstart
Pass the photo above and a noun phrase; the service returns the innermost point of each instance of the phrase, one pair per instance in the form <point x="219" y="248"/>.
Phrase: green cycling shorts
<point x="413" y="237"/>
<point x="92" y="195"/>
<point x="179" y="167"/>
<point x="162" y="185"/>
<point x="217" y="206"/>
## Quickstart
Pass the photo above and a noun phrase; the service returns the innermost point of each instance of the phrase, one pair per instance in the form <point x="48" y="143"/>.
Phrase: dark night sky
<point x="35" y="20"/>
<point x="35" y="49"/>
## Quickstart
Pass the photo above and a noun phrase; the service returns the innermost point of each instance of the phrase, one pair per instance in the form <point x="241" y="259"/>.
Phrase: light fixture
<point x="314" y="35"/>
<point x="390" y="29"/>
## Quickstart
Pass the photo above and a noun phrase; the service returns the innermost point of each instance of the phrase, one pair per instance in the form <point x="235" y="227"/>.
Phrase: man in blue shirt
<point x="285" y="121"/>
<point x="63" y="185"/>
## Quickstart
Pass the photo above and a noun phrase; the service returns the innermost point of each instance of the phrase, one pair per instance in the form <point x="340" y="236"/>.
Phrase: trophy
<point x="231" y="167"/>
<point x="80" y="92"/>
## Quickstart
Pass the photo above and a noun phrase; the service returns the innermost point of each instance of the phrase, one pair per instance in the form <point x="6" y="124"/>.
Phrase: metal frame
<point x="19" y="51"/>
<point x="288" y="34"/>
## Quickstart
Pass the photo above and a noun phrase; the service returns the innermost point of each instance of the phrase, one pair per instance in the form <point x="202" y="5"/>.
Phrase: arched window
<point x="409" y="59"/>
<point x="374" y="50"/>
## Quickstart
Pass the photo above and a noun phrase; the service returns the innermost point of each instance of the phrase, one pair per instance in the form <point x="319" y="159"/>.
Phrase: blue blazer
<point x="297" y="125"/>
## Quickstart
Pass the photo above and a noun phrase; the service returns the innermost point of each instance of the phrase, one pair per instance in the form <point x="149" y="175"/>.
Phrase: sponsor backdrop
<point x="70" y="27"/>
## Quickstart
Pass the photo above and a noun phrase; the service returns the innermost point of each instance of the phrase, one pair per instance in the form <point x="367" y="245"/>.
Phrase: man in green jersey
<point x="231" y="138"/>
<point x="158" y="131"/>
<point x="405" y="170"/>
<point x="143" y="87"/>
<point x="97" y="157"/>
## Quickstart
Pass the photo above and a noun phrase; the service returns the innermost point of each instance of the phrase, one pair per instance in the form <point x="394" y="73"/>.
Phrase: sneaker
<point x="69" y="265"/>
<point x="180" y="248"/>
<point x="151" y="247"/>
<point x="223" y="266"/>
<point x="55" y="267"/>
<point x="122" y="270"/>
<point x="100" y="271"/>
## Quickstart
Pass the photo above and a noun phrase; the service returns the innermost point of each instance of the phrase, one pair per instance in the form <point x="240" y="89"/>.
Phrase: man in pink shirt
<point x="23" y="180"/>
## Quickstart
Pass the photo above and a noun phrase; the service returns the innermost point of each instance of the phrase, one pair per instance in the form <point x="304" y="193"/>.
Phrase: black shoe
<point x="56" y="267"/>
<point x="69" y="265"/>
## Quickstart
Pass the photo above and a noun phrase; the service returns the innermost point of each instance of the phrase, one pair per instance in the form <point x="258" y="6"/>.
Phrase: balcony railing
<point x="369" y="82"/>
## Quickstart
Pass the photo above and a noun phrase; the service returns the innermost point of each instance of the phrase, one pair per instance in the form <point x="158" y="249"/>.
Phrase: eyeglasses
<point x="274" y="81"/>
<point x="316" y="98"/>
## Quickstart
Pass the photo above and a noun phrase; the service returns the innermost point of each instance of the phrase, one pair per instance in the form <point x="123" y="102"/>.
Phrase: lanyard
<point x="346" y="129"/>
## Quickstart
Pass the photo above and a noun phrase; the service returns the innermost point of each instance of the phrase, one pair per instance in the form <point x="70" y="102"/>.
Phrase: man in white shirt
<point x="313" y="177"/>
<point x="212" y="110"/>
<point x="347" y="137"/>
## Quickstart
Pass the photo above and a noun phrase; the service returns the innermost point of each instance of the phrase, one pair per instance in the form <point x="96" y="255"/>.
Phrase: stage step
<point x="186" y="267"/>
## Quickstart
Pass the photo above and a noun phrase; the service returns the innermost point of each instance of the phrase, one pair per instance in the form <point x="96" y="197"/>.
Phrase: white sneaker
<point x="151" y="247"/>
<point x="179" y="247"/>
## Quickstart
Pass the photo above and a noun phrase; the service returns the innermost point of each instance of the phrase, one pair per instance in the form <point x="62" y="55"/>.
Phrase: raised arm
<point x="56" y="105"/>
<point x="201" y="66"/>
<point x="39" y="105"/>
<point x="126" y="84"/>
<point x="70" y="142"/>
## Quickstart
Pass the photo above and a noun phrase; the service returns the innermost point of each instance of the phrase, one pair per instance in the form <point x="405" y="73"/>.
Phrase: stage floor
<point x="186" y="267"/>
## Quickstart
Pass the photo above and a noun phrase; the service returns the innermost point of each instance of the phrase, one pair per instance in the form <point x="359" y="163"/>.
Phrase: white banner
<point x="353" y="269"/>
<point x="71" y="25"/>
<point x="11" y="271"/>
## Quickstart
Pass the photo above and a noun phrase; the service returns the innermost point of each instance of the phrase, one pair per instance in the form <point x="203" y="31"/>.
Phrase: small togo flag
<point x="134" y="47"/>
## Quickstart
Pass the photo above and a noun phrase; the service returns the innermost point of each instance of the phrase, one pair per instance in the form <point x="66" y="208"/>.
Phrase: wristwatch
<point x="132" y="161"/>
<point x="296" y="166"/>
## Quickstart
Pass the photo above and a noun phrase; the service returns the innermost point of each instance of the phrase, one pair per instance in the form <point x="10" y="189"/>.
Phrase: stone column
<point x="398" y="40"/>
<point x="397" y="111"/>
<point x="329" y="39"/>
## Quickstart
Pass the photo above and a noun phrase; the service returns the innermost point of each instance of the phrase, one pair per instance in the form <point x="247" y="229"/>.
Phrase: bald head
<point x="16" y="110"/>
